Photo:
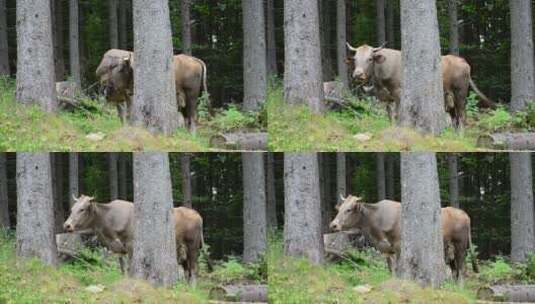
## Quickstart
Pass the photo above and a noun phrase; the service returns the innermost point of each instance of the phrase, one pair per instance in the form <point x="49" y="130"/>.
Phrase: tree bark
<point x="390" y="24"/>
<point x="35" y="55"/>
<point x="381" y="25"/>
<point x="522" y="63"/>
<point x="240" y="293"/>
<point x="390" y="176"/>
<point x="302" y="74"/>
<point x="57" y="26"/>
<point x="74" y="187"/>
<point x="507" y="141"/>
<point x="4" y="201"/>
<point x="4" y="46"/>
<point x="380" y="176"/>
<point x="154" y="248"/>
<point x="341" y="179"/>
<point x="302" y="217"/>
<point x="522" y="219"/>
<point x="271" y="199"/>
<point x="185" y="164"/>
<point x="422" y="102"/>
<point x="74" y="47"/>
<point x="254" y="207"/>
<point x="453" y="181"/>
<point x="154" y="104"/>
<point x="341" y="36"/>
<point x="112" y="24"/>
<point x="271" y="38"/>
<point x="422" y="248"/>
<point x="454" y="27"/>
<point x="57" y="187"/>
<point x="241" y="141"/>
<point x="123" y="188"/>
<point x="185" y="15"/>
<point x="34" y="193"/>
<point x="123" y="24"/>
<point x="113" y="176"/>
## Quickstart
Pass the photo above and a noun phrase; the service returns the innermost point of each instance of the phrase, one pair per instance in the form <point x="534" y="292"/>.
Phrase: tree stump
<point x="241" y="141"/>
<point x="508" y="141"/>
<point x="507" y="293"/>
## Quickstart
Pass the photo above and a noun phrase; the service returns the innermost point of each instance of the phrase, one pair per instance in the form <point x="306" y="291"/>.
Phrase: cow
<point x="381" y="223"/>
<point x="113" y="223"/>
<point x="381" y="67"/>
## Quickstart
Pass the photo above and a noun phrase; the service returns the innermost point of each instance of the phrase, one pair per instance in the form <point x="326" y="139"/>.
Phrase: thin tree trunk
<point x="185" y="163"/>
<point x="4" y="201"/>
<point x="4" y="46"/>
<point x="341" y="35"/>
<point x="35" y="55"/>
<point x="341" y="179"/>
<point x="454" y="27"/>
<point x="112" y="24"/>
<point x="522" y="213"/>
<point x="380" y="175"/>
<point x="453" y="180"/>
<point x="74" y="47"/>
<point x="57" y="186"/>
<point x="123" y="24"/>
<point x="325" y="41"/>
<point x="58" y="40"/>
<point x="74" y="187"/>
<point x="390" y="24"/>
<point x="271" y="200"/>
<point x="271" y="39"/>
<point x="381" y="25"/>
<point x="123" y="188"/>
<point x="185" y="14"/>
<point x="154" y="247"/>
<point x="34" y="193"/>
<point x="113" y="176"/>
<point x="302" y="217"/>
<point x="422" y="248"/>
<point x="390" y="176"/>
<point x="254" y="207"/>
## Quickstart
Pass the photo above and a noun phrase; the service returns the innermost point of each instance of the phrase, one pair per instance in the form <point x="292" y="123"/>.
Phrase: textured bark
<point x="254" y="207"/>
<point x="341" y="180"/>
<point x="123" y="24"/>
<point x="380" y="19"/>
<point x="185" y="15"/>
<point x="74" y="187"/>
<point x="35" y="55"/>
<point x="302" y="74"/>
<point x="380" y="175"/>
<point x="4" y="46"/>
<point x="453" y="181"/>
<point x="454" y="27"/>
<point x="185" y="164"/>
<point x="271" y="40"/>
<point x="390" y="176"/>
<point x="154" y="103"/>
<point x="4" y="206"/>
<point x="154" y="248"/>
<point x="123" y="162"/>
<point x="341" y="40"/>
<point x="422" y="101"/>
<point x="241" y="141"/>
<point x="271" y="199"/>
<point x="57" y="26"/>
<point x="112" y="24"/>
<point x="57" y="186"/>
<point x="35" y="207"/>
<point x="302" y="217"/>
<point x="522" y="63"/>
<point x="113" y="175"/>
<point x="422" y="248"/>
<point x="74" y="46"/>
<point x="254" y="55"/>
<point x="522" y="219"/>
<point x="507" y="293"/>
<point x="390" y="24"/>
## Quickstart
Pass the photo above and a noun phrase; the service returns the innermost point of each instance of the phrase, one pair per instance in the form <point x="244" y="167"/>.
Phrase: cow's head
<point x="363" y="61"/>
<point x="351" y="214"/>
<point x="82" y="214"/>
<point x="115" y="77"/>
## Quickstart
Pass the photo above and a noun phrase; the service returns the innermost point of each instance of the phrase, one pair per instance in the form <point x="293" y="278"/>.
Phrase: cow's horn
<point x="342" y="198"/>
<point x="74" y="197"/>
<point x="381" y="47"/>
<point x="350" y="47"/>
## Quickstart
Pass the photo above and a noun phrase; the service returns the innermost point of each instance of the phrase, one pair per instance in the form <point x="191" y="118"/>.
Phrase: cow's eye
<point x="348" y="210"/>
<point x="370" y="59"/>
<point x="82" y="210"/>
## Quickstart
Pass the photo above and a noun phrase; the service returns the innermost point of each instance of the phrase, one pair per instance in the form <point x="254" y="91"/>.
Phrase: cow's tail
<point x="471" y="249"/>
<point x="204" y="81"/>
<point x="486" y="102"/>
<point x="209" y="263"/>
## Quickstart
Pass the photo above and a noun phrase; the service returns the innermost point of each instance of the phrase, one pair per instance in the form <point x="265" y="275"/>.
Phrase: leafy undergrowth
<point x="29" y="281"/>
<point x="27" y="128"/>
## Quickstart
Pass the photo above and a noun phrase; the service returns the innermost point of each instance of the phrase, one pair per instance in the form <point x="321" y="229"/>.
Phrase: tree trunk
<point x="74" y="47"/>
<point x="154" y="254"/>
<point x="113" y="176"/>
<point x="74" y="187"/>
<point x="241" y="141"/>
<point x="254" y="207"/>
<point x="271" y="38"/>
<point x="240" y="293"/>
<point x="34" y="193"/>
<point x="35" y="55"/>
<point x="123" y="24"/>
<point x="422" y="102"/>
<point x="453" y="180"/>
<point x="185" y="15"/>
<point x="341" y="180"/>
<point x="380" y="18"/>
<point x="454" y="27"/>
<point x="4" y="46"/>
<point x="302" y="74"/>
<point x="123" y="188"/>
<point x="507" y="293"/>
<point x="390" y="176"/>
<point x="57" y="187"/>
<point x="380" y="175"/>
<point x="185" y="163"/>
<point x="154" y="103"/>
<point x="522" y="220"/>
<point x="341" y="36"/>
<point x="302" y="217"/>
<point x="522" y="63"/>
<point x="390" y="24"/>
<point x="57" y="26"/>
<point x="4" y="201"/>
<point x="507" y="141"/>
<point x="271" y="199"/>
<point x="325" y="41"/>
<point x="422" y="248"/>
<point x="325" y="191"/>
<point x="112" y="24"/>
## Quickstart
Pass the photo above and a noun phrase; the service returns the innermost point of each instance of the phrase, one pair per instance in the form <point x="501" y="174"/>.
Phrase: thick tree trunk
<point x="241" y="141"/>
<point x="185" y="164"/>
<point x="4" y="46"/>
<point x="302" y="74"/>
<point x="454" y="27"/>
<point x="57" y="26"/>
<point x="453" y="181"/>
<point x="380" y="19"/>
<point x="422" y="102"/>
<point x="380" y="176"/>
<point x="185" y="15"/>
<point x="4" y="202"/>
<point x="341" y="179"/>
<point x="341" y="38"/>
<point x="302" y="217"/>
<point x="154" y="254"/>
<point x="112" y="24"/>
<point x="507" y="141"/>
<point x="113" y="176"/>
<point x="422" y="248"/>
<point x="507" y="293"/>
<point x="271" y="38"/>
<point x="34" y="193"/>
<point x="123" y="24"/>
<point x="254" y="207"/>
<point x="74" y="187"/>
<point x="74" y="47"/>
<point x="35" y="55"/>
<point x="390" y="176"/>
<point x="522" y="63"/>
<point x="390" y="24"/>
<point x="123" y="164"/>
<point x="271" y="199"/>
<point x="522" y="220"/>
<point x="154" y="103"/>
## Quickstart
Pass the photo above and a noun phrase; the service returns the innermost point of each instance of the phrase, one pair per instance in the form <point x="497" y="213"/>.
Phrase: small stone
<point x="96" y="136"/>
<point x="363" y="288"/>
<point x="95" y="288"/>
<point x="363" y="136"/>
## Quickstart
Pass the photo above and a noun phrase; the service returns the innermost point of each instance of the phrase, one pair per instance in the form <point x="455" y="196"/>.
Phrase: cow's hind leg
<point x="191" y="109"/>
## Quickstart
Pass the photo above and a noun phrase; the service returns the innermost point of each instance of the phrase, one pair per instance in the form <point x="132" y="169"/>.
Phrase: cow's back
<point x="120" y="217"/>
<point x="188" y="72"/>
<point x="455" y="225"/>
<point x="188" y="225"/>
<point x="455" y="72"/>
<point x="387" y="215"/>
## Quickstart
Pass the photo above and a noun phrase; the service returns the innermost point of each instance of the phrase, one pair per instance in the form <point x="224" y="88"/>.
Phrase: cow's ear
<point x="350" y="60"/>
<point x="378" y="58"/>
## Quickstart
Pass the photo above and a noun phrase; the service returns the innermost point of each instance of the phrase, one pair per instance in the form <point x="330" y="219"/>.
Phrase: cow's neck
<point x="100" y="210"/>
<point x="370" y="229"/>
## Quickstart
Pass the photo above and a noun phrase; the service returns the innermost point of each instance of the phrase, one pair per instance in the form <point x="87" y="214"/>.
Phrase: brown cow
<point x="113" y="223"/>
<point x="381" y="223"/>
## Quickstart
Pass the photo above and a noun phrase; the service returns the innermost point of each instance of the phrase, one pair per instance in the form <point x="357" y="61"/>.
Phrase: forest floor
<point x="364" y="126"/>
<point x="97" y="279"/>
<point x="365" y="279"/>
<point x="95" y="126"/>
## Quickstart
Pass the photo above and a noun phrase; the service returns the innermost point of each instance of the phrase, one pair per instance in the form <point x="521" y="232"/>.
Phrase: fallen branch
<point x="241" y="141"/>
<point x="240" y="293"/>
<point x="508" y="141"/>
<point x="507" y="293"/>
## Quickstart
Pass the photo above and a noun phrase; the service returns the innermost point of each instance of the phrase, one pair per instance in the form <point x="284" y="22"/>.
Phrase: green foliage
<point x="498" y="271"/>
<point x="496" y="120"/>
<point x="233" y="270"/>
<point x="233" y="119"/>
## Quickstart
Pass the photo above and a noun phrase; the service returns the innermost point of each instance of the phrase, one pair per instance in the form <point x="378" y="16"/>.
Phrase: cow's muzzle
<point x="68" y="227"/>
<point x="335" y="227"/>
